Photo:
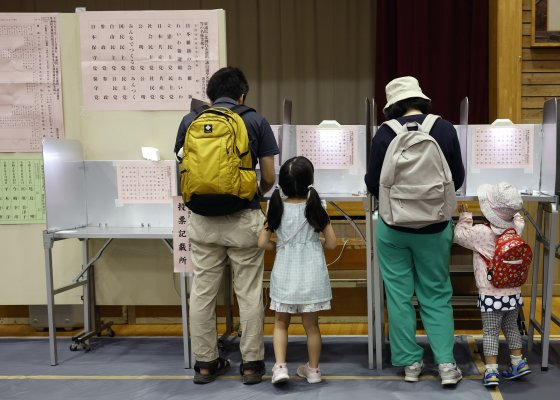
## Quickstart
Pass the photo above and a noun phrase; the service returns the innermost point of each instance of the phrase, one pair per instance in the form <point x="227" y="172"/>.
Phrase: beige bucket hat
<point x="402" y="88"/>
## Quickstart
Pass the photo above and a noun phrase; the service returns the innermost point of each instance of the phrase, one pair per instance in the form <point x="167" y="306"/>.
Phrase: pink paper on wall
<point x="147" y="60"/>
<point x="327" y="148"/>
<point x="181" y="245"/>
<point x="30" y="90"/>
<point x="146" y="181"/>
<point x="503" y="147"/>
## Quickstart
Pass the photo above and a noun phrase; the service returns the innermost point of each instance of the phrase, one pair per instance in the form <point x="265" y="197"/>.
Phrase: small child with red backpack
<point x="501" y="260"/>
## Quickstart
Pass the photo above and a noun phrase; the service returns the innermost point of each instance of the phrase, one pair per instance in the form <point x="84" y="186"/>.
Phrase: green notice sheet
<point x="22" y="193"/>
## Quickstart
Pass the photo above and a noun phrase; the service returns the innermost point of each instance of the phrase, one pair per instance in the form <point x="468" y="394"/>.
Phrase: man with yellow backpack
<point x="218" y="148"/>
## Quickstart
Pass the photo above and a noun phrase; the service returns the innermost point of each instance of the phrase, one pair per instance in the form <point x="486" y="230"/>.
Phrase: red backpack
<point x="510" y="266"/>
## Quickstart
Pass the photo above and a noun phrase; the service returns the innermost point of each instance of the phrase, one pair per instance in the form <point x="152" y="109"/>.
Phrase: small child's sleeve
<point x="519" y="223"/>
<point x="463" y="230"/>
<point x="473" y="237"/>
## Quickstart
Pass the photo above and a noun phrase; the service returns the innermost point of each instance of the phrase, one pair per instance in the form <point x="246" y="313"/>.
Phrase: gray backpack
<point x="416" y="188"/>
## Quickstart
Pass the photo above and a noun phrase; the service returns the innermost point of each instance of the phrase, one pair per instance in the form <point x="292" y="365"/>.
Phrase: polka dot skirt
<point x="499" y="303"/>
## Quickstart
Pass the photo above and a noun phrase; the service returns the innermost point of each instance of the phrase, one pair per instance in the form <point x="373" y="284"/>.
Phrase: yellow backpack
<point x="217" y="174"/>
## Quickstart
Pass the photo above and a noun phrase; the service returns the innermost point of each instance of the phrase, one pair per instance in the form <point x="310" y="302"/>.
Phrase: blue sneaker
<point x="491" y="378"/>
<point x="517" y="371"/>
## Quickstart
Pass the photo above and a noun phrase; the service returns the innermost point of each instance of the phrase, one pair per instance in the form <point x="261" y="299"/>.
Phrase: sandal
<point x="258" y="369"/>
<point x="215" y="368"/>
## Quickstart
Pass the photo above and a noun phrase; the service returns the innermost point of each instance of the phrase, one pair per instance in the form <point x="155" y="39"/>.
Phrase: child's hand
<point x="463" y="207"/>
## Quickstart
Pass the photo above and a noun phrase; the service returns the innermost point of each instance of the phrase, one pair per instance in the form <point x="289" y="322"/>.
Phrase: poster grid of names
<point x="30" y="89"/>
<point x="147" y="60"/>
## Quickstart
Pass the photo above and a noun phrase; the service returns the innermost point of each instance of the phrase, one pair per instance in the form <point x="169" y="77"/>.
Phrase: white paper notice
<point x="30" y="91"/>
<point x="503" y="147"/>
<point x="146" y="181"/>
<point x="327" y="148"/>
<point x="147" y="60"/>
<point x="181" y="244"/>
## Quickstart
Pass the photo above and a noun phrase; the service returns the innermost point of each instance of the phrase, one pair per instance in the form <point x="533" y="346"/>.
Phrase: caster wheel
<point x="239" y="333"/>
<point x="110" y="333"/>
<point x="86" y="347"/>
<point x="73" y="347"/>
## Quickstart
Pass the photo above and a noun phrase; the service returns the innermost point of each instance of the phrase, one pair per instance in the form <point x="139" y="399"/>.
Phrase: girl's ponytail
<point x="275" y="210"/>
<point x="315" y="214"/>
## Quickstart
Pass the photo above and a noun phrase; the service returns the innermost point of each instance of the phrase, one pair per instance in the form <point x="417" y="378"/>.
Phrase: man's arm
<point x="268" y="176"/>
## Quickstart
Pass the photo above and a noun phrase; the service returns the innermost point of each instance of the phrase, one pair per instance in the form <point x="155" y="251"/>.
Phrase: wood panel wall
<point x="504" y="70"/>
<point x="540" y="72"/>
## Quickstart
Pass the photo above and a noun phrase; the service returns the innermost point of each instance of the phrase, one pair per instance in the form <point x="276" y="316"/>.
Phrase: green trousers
<point x="416" y="263"/>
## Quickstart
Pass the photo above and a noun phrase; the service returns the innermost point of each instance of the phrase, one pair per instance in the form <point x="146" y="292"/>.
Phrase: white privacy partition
<point x="85" y="200"/>
<point x="524" y="155"/>
<point x="65" y="184"/>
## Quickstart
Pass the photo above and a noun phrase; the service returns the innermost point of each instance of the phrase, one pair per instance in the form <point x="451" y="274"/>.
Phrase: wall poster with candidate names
<point x="147" y="60"/>
<point x="146" y="181"/>
<point x="503" y="147"/>
<point x="30" y="89"/>
<point x="328" y="148"/>
<point x="22" y="194"/>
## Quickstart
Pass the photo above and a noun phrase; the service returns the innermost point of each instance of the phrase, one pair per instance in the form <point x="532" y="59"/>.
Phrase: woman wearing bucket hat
<point x="500" y="204"/>
<point x="416" y="260"/>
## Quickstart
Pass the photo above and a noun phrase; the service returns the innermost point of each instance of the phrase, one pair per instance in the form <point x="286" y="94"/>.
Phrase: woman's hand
<point x="463" y="207"/>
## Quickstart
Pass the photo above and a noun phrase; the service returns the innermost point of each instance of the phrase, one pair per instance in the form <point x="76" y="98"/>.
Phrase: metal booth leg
<point x="86" y="288"/>
<point x="378" y="306"/>
<point x="551" y="224"/>
<point x="48" y="244"/>
<point x="184" y="310"/>
<point x="535" y="281"/>
<point x="370" y="293"/>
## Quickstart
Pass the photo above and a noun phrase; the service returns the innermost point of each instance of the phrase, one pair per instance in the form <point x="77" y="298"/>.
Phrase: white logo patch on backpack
<point x="416" y="187"/>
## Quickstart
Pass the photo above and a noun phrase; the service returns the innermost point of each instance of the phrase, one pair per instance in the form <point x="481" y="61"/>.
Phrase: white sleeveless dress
<point x="300" y="280"/>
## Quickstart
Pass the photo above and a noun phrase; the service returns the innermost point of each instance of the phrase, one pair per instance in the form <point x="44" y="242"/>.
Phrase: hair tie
<point x="309" y="190"/>
<point x="277" y="187"/>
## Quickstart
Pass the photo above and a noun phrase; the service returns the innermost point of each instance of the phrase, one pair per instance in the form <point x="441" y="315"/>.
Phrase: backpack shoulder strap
<point x="429" y="122"/>
<point x="394" y="125"/>
<point x="241" y="109"/>
<point x="201" y="108"/>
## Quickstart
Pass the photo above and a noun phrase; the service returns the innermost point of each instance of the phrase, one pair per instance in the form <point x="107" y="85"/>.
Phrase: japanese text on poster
<point x="181" y="245"/>
<point x="503" y="147"/>
<point x="146" y="181"/>
<point x="22" y="197"/>
<point x="327" y="148"/>
<point x="147" y="60"/>
<point x="30" y="91"/>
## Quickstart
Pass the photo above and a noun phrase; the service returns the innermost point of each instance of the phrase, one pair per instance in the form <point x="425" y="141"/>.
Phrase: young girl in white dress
<point x="299" y="282"/>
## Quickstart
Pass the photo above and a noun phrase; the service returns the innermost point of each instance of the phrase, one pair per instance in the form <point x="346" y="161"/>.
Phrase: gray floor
<point x="151" y="368"/>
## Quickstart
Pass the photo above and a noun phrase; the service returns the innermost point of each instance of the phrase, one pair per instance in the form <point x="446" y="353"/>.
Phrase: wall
<point x="540" y="72"/>
<point x="129" y="272"/>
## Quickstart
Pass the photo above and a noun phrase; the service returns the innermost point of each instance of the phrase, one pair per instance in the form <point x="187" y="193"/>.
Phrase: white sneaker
<point x="280" y="373"/>
<point x="412" y="372"/>
<point x="449" y="373"/>
<point x="313" y="375"/>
